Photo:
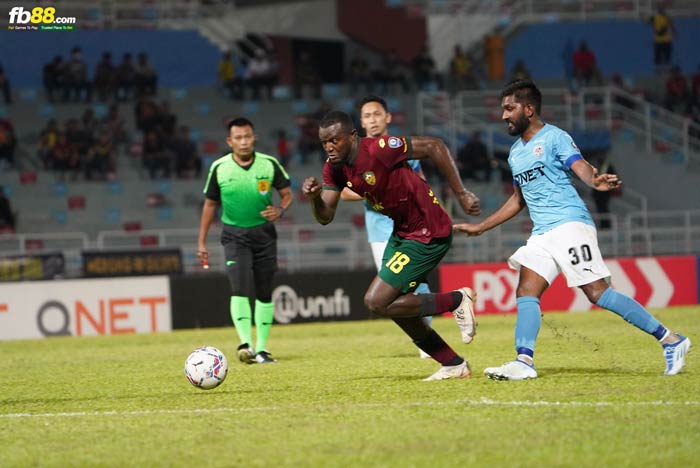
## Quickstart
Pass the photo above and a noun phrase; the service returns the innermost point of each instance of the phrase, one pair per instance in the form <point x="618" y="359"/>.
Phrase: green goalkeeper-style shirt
<point x="244" y="192"/>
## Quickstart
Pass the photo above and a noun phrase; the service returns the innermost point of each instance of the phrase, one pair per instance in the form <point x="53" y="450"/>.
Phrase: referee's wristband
<point x="282" y="210"/>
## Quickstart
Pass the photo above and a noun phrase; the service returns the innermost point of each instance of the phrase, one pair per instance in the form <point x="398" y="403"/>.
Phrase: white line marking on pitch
<point x="481" y="402"/>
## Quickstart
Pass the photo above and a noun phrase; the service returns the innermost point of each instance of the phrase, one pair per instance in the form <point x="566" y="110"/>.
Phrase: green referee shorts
<point x="407" y="263"/>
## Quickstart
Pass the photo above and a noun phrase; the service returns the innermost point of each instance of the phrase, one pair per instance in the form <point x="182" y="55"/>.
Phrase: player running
<point x="376" y="168"/>
<point x="564" y="237"/>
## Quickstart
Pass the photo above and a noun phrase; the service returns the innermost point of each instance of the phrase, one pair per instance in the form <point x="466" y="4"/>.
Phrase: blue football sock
<point x="527" y="326"/>
<point x="632" y="311"/>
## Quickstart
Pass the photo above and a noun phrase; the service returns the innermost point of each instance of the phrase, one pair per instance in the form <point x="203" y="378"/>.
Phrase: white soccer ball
<point x="206" y="367"/>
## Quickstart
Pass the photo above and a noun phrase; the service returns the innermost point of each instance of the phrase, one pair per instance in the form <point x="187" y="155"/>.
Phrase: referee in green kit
<point x="242" y="183"/>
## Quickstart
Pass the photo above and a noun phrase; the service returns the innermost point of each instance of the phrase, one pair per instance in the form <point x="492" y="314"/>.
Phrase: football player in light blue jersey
<point x="564" y="238"/>
<point x="375" y="119"/>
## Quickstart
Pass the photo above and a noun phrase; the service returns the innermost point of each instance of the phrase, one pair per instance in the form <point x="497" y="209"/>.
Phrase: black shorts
<point x="250" y="257"/>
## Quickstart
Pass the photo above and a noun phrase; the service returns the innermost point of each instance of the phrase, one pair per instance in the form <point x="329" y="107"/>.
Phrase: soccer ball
<point x="206" y="367"/>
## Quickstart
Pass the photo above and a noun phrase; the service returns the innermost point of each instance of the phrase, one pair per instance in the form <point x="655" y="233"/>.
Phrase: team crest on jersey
<point x="538" y="151"/>
<point x="395" y="142"/>
<point x="263" y="187"/>
<point x="369" y="177"/>
<point x="381" y="143"/>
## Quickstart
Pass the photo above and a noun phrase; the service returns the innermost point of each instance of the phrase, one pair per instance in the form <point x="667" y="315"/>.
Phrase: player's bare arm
<point x="589" y="175"/>
<point x="208" y="214"/>
<point x="323" y="202"/>
<point x="435" y="149"/>
<point x="273" y="213"/>
<point x="512" y="206"/>
<point x="349" y="195"/>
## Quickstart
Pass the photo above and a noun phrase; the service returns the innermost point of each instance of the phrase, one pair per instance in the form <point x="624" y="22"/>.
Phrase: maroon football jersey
<point x="382" y="176"/>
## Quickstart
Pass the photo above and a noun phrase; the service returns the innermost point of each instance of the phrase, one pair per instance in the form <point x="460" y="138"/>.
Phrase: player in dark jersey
<point x="242" y="182"/>
<point x="376" y="169"/>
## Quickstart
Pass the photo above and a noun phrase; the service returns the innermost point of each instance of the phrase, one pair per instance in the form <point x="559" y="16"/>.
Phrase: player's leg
<point x="675" y="346"/>
<point x="423" y="288"/>
<point x="264" y="268"/>
<point x="537" y="270"/>
<point x="406" y="263"/>
<point x="239" y="261"/>
<point x="378" y="249"/>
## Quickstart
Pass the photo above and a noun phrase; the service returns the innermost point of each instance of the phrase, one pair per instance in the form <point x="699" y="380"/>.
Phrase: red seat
<point x="358" y="220"/>
<point x="210" y="147"/>
<point x="131" y="226"/>
<point x="76" y="202"/>
<point x="34" y="244"/>
<point x="148" y="241"/>
<point x="27" y="177"/>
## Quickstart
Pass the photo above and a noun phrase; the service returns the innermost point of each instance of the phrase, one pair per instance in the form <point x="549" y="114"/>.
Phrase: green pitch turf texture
<point x="350" y="394"/>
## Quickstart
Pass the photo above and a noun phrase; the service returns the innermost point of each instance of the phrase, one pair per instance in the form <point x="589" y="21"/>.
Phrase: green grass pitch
<point x="350" y="394"/>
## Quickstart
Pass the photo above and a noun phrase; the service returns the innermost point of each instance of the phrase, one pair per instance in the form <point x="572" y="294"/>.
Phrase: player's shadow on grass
<point x="588" y="371"/>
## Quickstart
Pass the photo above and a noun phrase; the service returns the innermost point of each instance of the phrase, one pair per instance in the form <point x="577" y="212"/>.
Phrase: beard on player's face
<point x="517" y="125"/>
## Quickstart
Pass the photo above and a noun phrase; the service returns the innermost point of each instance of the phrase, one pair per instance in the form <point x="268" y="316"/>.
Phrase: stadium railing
<point x="609" y="108"/>
<point x="344" y="247"/>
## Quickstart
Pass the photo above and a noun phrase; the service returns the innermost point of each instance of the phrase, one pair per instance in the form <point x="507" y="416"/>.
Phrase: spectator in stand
<point x="48" y="139"/>
<point x="663" y="38"/>
<point x="585" y="67"/>
<point x="618" y="82"/>
<point x="473" y="159"/>
<point x="602" y="199"/>
<point x="145" y="77"/>
<point x="80" y="139"/>
<point x="65" y="158"/>
<point x="306" y="75"/>
<point x="156" y="157"/>
<point x="113" y="123"/>
<point x="261" y="74"/>
<point x="283" y="152"/>
<point x="520" y="71"/>
<point x="125" y="78"/>
<point x="146" y="114"/>
<point x="226" y="77"/>
<point x="678" y="97"/>
<point x="167" y="120"/>
<point x="309" y="143"/>
<point x="98" y="161"/>
<point x="461" y="72"/>
<point x="359" y="73"/>
<point x="392" y="71"/>
<point x="7" y="216"/>
<point x="425" y="71"/>
<point x="8" y="143"/>
<point x="495" y="53"/>
<point x="53" y="77"/>
<point x="78" y="86"/>
<point x="104" y="80"/>
<point x="5" y="86"/>
<point x="89" y="122"/>
<point x="188" y="164"/>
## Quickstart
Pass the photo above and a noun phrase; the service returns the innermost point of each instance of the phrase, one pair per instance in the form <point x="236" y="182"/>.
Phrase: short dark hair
<point x="524" y="92"/>
<point x="373" y="98"/>
<point x="239" y="122"/>
<point x="337" y="117"/>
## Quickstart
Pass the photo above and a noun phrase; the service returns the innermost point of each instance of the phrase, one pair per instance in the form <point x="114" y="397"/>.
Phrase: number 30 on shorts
<point x="397" y="262"/>
<point x="585" y="251"/>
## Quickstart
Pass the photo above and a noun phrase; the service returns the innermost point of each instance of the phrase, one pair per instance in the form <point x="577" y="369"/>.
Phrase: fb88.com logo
<point x="37" y="15"/>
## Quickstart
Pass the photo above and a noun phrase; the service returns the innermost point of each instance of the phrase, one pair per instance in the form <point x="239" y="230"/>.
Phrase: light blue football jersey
<point x="542" y="169"/>
<point x="379" y="227"/>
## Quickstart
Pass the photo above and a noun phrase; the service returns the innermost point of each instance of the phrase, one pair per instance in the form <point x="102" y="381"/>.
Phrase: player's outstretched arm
<point x="589" y="175"/>
<point x="510" y="208"/>
<point x="349" y="195"/>
<point x="435" y="149"/>
<point x="323" y="202"/>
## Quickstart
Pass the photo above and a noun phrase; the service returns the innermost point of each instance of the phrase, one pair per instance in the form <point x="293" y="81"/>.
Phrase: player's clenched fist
<point x="311" y="187"/>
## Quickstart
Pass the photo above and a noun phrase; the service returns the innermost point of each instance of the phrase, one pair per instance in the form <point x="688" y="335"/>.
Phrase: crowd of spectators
<point x="69" y="80"/>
